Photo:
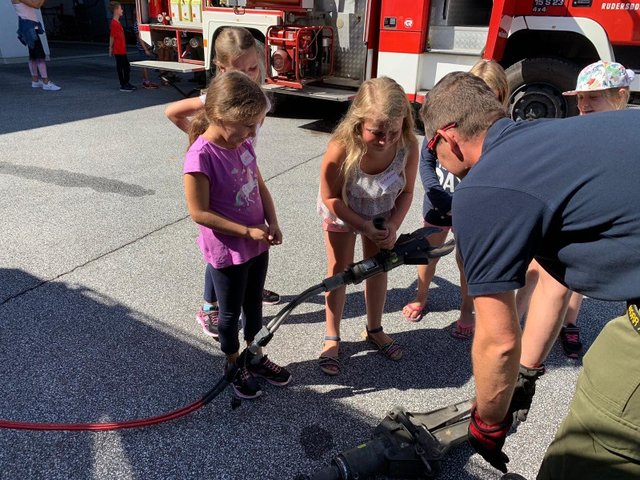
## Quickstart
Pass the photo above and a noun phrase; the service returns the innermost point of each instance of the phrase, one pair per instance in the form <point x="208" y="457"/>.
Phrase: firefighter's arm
<point x="403" y="202"/>
<point x="331" y="182"/>
<point x="495" y="354"/>
<point x="196" y="189"/>
<point x="270" y="216"/>
<point x="181" y="111"/>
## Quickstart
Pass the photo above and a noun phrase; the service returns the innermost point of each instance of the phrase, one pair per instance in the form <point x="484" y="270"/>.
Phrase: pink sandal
<point x="462" y="332"/>
<point x="421" y="311"/>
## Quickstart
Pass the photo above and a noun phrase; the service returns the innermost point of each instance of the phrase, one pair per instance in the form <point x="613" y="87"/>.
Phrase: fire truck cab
<point x="327" y="48"/>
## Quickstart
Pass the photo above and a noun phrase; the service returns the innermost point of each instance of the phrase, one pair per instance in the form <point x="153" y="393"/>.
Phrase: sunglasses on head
<point x="431" y="146"/>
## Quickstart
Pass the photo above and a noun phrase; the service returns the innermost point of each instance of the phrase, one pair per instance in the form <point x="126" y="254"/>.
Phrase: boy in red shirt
<point x="118" y="48"/>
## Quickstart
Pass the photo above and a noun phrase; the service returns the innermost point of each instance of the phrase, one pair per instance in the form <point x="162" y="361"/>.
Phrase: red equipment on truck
<point x="327" y="48"/>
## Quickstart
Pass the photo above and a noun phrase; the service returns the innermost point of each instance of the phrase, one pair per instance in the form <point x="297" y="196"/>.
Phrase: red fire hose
<point x="144" y="422"/>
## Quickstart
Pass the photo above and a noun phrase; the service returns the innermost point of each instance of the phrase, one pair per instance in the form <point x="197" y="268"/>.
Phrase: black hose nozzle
<point x="379" y="223"/>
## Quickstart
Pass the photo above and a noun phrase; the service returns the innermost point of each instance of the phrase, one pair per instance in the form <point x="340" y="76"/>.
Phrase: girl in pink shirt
<point x="229" y="201"/>
<point x="235" y="51"/>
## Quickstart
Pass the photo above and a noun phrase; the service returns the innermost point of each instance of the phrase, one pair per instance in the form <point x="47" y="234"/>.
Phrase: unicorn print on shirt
<point x="243" y="197"/>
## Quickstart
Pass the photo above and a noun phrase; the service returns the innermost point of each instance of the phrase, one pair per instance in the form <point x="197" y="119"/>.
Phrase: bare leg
<point x="575" y="302"/>
<point x="339" y="247"/>
<point x="425" y="276"/>
<point x="546" y="313"/>
<point x="375" y="294"/>
<point x="42" y="68"/>
<point x="466" y="307"/>
<point x="33" y="70"/>
<point x="523" y="297"/>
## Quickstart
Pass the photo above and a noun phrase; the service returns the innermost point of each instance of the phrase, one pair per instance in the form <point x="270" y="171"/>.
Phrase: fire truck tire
<point x="536" y="86"/>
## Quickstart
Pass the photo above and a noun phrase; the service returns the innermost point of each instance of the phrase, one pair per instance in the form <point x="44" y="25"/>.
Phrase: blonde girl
<point x="368" y="171"/>
<point x="231" y="204"/>
<point x="439" y="185"/>
<point x="235" y="50"/>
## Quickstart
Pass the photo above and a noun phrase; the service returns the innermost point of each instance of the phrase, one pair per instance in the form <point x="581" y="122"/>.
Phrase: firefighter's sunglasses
<point x="431" y="146"/>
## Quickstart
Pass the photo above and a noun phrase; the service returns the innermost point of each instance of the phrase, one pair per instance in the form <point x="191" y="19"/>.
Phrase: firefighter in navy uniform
<point x="567" y="193"/>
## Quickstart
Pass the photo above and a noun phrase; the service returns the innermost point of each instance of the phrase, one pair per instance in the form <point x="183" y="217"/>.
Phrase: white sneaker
<point x="52" y="87"/>
<point x="37" y="84"/>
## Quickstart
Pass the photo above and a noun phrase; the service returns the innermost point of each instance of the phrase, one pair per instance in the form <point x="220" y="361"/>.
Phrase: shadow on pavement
<point x="443" y="299"/>
<point x="90" y="88"/>
<point x="70" y="354"/>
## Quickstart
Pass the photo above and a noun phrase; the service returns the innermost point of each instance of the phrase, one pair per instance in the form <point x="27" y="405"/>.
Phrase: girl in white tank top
<point x="368" y="172"/>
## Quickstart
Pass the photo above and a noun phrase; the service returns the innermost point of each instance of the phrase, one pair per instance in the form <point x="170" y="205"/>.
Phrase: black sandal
<point x="330" y="365"/>
<point x="391" y="350"/>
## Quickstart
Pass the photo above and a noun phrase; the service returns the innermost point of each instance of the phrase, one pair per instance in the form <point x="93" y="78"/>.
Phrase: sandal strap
<point x="329" y="365"/>
<point x="326" y="360"/>
<point x="333" y="338"/>
<point x="390" y="349"/>
<point x="374" y="330"/>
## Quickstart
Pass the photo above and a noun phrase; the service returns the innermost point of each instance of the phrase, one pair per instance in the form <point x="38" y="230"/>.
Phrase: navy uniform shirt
<point x="565" y="192"/>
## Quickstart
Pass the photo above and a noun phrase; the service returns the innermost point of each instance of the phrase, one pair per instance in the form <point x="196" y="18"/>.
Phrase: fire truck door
<point x="402" y="39"/>
<point x="500" y="23"/>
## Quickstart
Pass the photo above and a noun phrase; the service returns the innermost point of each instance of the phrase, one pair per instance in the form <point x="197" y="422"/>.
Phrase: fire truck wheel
<point x="536" y="86"/>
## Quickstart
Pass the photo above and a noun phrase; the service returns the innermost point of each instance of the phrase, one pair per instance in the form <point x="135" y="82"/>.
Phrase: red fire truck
<point x="326" y="48"/>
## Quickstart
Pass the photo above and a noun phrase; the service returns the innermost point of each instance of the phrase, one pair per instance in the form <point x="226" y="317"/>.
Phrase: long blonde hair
<point x="383" y="99"/>
<point x="233" y="42"/>
<point x="493" y="74"/>
<point x="231" y="97"/>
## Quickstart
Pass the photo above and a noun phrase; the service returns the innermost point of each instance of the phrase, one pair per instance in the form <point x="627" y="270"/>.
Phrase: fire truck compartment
<point x="460" y="40"/>
<point x="315" y="91"/>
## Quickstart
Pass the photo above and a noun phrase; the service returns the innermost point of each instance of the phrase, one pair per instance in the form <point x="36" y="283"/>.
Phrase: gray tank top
<point x="372" y="196"/>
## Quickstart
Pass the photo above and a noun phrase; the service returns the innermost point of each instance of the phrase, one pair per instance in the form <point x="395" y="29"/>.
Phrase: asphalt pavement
<point x="100" y="280"/>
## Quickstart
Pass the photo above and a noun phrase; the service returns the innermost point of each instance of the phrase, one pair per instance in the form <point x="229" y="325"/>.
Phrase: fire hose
<point x="410" y="249"/>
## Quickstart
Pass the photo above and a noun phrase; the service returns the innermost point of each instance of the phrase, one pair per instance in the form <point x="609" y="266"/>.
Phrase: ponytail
<point x="199" y="125"/>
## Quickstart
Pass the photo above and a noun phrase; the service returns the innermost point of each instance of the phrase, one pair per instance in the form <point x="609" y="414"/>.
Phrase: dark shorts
<point x="37" y="52"/>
